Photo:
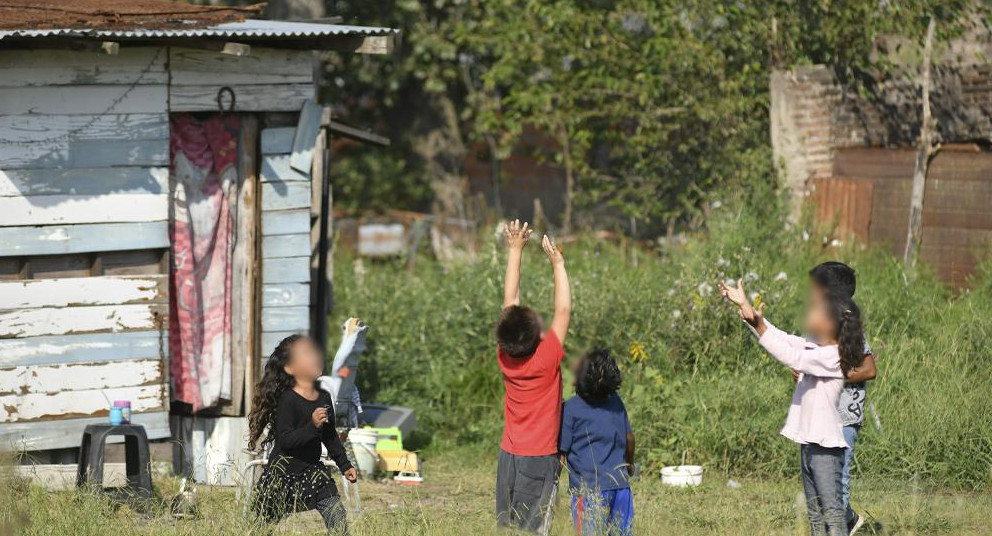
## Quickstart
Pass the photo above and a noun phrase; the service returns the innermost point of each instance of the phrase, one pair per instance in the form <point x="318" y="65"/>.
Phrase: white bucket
<point x="682" y="475"/>
<point x="363" y="444"/>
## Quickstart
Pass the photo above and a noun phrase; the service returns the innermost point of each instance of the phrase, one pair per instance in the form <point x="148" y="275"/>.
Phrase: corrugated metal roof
<point x="250" y="29"/>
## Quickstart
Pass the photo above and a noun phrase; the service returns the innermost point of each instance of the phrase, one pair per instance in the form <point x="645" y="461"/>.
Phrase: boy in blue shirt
<point x="598" y="445"/>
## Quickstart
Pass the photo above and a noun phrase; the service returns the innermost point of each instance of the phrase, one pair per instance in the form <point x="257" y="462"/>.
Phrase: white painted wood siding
<point x="84" y="156"/>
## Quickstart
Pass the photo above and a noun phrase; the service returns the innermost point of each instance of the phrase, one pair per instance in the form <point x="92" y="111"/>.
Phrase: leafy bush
<point x="695" y="381"/>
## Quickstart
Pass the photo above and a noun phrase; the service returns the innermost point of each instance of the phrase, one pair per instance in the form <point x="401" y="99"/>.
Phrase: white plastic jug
<point x="363" y="444"/>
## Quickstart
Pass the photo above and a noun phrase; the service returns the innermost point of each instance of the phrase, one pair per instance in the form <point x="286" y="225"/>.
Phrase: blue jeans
<point x="851" y="436"/>
<point x="821" y="469"/>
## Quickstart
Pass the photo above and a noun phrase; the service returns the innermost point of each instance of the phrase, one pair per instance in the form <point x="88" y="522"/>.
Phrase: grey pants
<point x="525" y="491"/>
<point x="821" y="469"/>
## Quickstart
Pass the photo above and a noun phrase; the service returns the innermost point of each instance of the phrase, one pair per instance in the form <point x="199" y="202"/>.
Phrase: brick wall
<point x="858" y="153"/>
<point x="814" y="113"/>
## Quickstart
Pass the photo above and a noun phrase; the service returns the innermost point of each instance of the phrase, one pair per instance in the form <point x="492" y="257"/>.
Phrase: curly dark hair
<point x="518" y="331"/>
<point x="269" y="389"/>
<point x="850" y="332"/>
<point x="598" y="375"/>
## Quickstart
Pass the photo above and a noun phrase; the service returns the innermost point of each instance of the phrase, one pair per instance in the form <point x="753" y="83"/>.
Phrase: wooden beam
<point x="359" y="134"/>
<point x="239" y="50"/>
<point x="370" y="44"/>
<point x="377" y="44"/>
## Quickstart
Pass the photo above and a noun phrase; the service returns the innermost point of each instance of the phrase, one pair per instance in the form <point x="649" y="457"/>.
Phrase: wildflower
<point x="782" y="276"/>
<point x="500" y="229"/>
<point x="676" y="314"/>
<point x="722" y="262"/>
<point x="750" y="277"/>
<point x="637" y="352"/>
<point x="704" y="289"/>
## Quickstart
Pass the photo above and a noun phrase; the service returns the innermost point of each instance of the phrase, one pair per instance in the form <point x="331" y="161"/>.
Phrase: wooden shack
<point x="98" y="126"/>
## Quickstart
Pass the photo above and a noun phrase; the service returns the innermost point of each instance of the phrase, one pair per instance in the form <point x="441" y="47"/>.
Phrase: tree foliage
<point x="652" y="104"/>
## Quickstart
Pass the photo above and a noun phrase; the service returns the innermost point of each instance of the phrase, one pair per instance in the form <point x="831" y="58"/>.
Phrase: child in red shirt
<point x="528" y="469"/>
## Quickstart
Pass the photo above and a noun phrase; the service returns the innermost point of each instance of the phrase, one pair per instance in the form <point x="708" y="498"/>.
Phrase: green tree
<point x="653" y="104"/>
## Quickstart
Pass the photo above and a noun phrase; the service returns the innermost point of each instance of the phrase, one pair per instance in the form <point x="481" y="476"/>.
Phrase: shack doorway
<point x="213" y="238"/>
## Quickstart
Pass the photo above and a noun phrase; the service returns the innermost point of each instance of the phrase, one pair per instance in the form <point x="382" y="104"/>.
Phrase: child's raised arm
<point x="822" y="361"/>
<point x="754" y="317"/>
<point x="563" y="292"/>
<point x="516" y="239"/>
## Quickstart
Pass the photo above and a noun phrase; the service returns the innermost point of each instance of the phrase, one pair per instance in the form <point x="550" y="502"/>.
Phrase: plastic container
<point x="125" y="406"/>
<point x="363" y="442"/>
<point x="682" y="475"/>
<point x="116" y="416"/>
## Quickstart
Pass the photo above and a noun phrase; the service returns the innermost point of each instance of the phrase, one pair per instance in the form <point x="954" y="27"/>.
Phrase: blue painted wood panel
<point x="285" y="222"/>
<point x="285" y="195"/>
<point x="285" y="295"/>
<point x="84" y="181"/>
<point x="85" y="238"/>
<point x="278" y="140"/>
<point x="285" y="318"/>
<point x="130" y="345"/>
<point x="271" y="339"/>
<point x="286" y="270"/>
<point x="296" y="245"/>
<point x="276" y="169"/>
<point x="44" y="435"/>
<point x="306" y="137"/>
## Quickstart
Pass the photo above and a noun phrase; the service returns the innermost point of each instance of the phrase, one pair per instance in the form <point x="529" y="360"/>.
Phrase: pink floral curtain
<point x="203" y="177"/>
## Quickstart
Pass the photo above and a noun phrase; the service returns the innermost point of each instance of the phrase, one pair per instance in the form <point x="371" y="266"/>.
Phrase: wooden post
<point x="245" y="287"/>
<point x="924" y="151"/>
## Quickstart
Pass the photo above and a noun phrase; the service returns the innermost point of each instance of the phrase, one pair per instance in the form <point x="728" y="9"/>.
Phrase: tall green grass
<point x="696" y="384"/>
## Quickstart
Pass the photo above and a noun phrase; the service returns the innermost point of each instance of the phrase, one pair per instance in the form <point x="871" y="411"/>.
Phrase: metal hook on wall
<point x="220" y="99"/>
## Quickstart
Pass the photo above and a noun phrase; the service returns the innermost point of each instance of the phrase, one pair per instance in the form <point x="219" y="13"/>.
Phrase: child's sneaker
<point x="858" y="522"/>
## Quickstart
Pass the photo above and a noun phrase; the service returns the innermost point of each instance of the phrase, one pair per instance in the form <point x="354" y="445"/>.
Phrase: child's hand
<point x="552" y="251"/>
<point x="736" y="295"/>
<point x="319" y="417"/>
<point x="516" y="235"/>
<point x="755" y="317"/>
<point x="351" y="474"/>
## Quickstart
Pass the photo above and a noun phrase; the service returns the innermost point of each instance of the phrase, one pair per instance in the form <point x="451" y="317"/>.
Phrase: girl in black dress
<point x="295" y="417"/>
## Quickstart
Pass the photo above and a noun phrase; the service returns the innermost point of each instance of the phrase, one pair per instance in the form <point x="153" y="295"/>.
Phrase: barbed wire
<point x="69" y="135"/>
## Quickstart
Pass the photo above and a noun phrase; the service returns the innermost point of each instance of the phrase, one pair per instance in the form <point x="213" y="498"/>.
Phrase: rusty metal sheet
<point x="846" y="201"/>
<point x="957" y="206"/>
<point x="378" y="240"/>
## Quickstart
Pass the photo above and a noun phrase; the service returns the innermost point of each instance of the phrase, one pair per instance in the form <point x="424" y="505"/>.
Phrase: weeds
<point x="695" y="382"/>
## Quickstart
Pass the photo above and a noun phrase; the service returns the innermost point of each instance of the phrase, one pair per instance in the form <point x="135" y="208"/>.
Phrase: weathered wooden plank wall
<point x="84" y="198"/>
<point x="84" y="208"/>
<point x="286" y="200"/>
<point x="268" y="80"/>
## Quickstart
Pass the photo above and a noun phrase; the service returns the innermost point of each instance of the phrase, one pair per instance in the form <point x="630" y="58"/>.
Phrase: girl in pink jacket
<point x="813" y="421"/>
